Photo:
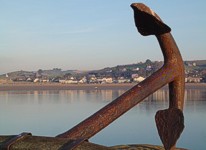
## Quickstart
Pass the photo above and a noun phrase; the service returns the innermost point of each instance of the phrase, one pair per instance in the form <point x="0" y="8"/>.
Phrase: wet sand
<point x="58" y="86"/>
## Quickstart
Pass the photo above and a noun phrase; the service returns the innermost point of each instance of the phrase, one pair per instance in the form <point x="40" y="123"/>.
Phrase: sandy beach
<point x="58" y="86"/>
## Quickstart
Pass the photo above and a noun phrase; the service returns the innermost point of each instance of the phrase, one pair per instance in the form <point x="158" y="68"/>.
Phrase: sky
<point x="92" y="34"/>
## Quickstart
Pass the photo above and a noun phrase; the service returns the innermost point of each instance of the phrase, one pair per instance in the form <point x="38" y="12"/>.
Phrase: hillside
<point x="196" y="68"/>
<point x="56" y="72"/>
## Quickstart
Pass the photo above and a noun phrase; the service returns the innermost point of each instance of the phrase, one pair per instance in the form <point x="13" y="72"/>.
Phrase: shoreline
<point x="59" y="86"/>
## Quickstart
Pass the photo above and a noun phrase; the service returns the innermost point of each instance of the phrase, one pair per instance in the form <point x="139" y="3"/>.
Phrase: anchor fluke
<point x="170" y="124"/>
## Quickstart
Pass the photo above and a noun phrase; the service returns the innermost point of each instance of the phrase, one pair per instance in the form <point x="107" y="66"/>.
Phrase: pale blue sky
<point x="92" y="34"/>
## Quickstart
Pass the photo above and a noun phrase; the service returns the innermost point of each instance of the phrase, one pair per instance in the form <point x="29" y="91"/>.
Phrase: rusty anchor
<point x="170" y="122"/>
<point x="172" y="72"/>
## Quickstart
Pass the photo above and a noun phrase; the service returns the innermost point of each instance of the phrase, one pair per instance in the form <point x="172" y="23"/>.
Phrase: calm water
<point x="50" y="113"/>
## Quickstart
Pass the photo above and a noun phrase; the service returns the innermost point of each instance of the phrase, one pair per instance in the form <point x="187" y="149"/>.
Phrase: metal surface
<point x="8" y="143"/>
<point x="50" y="143"/>
<point x="170" y="124"/>
<point x="72" y="145"/>
<point x="172" y="73"/>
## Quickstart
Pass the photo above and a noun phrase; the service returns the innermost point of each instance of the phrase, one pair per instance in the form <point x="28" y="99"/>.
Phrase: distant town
<point x="132" y="73"/>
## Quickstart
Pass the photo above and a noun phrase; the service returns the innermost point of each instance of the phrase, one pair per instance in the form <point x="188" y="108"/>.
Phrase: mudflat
<point x="59" y="86"/>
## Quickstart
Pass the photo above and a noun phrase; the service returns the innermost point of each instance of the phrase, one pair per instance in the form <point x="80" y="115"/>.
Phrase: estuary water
<point x="49" y="113"/>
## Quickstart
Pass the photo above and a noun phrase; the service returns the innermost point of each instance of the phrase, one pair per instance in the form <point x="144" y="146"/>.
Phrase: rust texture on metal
<point x="50" y="143"/>
<point x="74" y="144"/>
<point x="9" y="142"/>
<point x="170" y="124"/>
<point x="172" y="73"/>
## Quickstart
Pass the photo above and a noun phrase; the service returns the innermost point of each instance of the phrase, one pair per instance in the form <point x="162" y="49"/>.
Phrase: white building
<point x="36" y="80"/>
<point x="83" y="80"/>
<point x="193" y="79"/>
<point x="123" y="80"/>
<point x="138" y="79"/>
<point x="107" y="80"/>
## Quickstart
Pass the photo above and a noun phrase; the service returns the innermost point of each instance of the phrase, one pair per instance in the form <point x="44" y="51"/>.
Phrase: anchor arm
<point x="119" y="106"/>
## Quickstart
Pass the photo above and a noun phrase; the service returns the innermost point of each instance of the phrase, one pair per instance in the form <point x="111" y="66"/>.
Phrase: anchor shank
<point x="173" y="59"/>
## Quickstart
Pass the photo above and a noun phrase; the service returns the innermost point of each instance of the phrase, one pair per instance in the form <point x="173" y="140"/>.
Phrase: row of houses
<point x="193" y="79"/>
<point x="109" y="80"/>
<point x="103" y="80"/>
<point x="92" y="79"/>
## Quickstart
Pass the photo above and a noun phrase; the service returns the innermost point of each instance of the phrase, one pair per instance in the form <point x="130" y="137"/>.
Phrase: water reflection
<point x="50" y="112"/>
<point x="92" y="95"/>
<point x="192" y="94"/>
<point x="97" y="96"/>
<point x="96" y="99"/>
<point x="61" y="96"/>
